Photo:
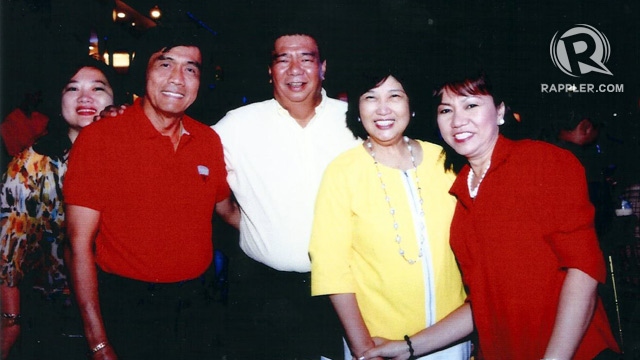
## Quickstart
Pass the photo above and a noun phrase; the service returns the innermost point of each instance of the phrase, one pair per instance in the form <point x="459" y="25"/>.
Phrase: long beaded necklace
<point x="473" y="192"/>
<point x="392" y="210"/>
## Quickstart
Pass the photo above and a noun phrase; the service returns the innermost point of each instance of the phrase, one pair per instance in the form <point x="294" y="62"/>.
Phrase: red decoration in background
<point x="20" y="131"/>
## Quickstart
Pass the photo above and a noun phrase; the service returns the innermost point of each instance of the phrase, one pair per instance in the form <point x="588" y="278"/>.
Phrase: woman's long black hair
<point x="56" y="143"/>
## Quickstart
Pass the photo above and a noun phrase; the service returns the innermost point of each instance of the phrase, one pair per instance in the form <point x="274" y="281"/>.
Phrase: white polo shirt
<point x="274" y="169"/>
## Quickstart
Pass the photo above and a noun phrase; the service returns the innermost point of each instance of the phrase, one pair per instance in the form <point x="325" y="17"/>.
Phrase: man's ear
<point x="323" y="69"/>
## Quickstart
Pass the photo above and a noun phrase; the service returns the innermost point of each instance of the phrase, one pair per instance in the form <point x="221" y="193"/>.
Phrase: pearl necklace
<point x="392" y="210"/>
<point x="474" y="192"/>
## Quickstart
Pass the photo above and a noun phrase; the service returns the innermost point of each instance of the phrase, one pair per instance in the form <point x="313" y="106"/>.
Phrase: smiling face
<point x="86" y="94"/>
<point x="173" y="79"/>
<point x="296" y="71"/>
<point x="469" y="124"/>
<point x="384" y="112"/>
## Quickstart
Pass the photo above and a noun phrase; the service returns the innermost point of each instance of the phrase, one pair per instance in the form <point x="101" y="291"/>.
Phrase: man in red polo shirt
<point x="140" y="193"/>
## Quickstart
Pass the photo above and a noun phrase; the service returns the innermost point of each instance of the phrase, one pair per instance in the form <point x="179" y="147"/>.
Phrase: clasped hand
<point x="387" y="349"/>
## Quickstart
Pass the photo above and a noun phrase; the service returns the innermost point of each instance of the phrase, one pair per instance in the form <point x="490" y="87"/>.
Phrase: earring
<point x="413" y="114"/>
<point x="359" y="119"/>
<point x="270" y="80"/>
<point x="501" y="121"/>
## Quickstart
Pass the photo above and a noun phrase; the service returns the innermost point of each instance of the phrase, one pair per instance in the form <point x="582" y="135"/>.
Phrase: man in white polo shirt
<point x="275" y="153"/>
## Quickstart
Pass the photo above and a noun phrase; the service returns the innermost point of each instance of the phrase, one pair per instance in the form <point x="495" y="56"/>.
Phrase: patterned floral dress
<point x="32" y="221"/>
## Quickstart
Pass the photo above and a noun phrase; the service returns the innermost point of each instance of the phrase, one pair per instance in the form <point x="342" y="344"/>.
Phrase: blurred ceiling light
<point x="93" y="45"/>
<point x="105" y="56"/>
<point x="155" y="12"/>
<point x="121" y="15"/>
<point x="120" y="60"/>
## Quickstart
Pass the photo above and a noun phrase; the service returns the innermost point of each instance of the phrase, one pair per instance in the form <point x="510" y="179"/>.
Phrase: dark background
<point x="512" y="37"/>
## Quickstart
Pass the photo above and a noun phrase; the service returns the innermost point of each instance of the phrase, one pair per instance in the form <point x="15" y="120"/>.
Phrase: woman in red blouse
<point x="523" y="234"/>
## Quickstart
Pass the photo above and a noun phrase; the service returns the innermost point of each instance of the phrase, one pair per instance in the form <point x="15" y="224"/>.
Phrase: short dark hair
<point x="371" y="77"/>
<point x="161" y="38"/>
<point x="474" y="83"/>
<point x="464" y="81"/>
<point x="295" y="28"/>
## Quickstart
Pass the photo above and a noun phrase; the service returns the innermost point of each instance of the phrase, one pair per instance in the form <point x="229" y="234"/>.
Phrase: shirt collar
<point x="144" y="127"/>
<point x="318" y="109"/>
<point x="183" y="130"/>
<point x="141" y="122"/>
<point x="501" y="153"/>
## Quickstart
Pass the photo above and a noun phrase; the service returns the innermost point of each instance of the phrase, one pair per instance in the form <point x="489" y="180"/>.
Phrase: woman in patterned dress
<point x="32" y="235"/>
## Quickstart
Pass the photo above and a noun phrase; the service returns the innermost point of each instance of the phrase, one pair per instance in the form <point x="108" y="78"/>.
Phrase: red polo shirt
<point x="530" y="222"/>
<point x="155" y="204"/>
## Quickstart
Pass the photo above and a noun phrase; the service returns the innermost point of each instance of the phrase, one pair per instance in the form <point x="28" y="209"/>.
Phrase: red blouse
<point x="530" y="221"/>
